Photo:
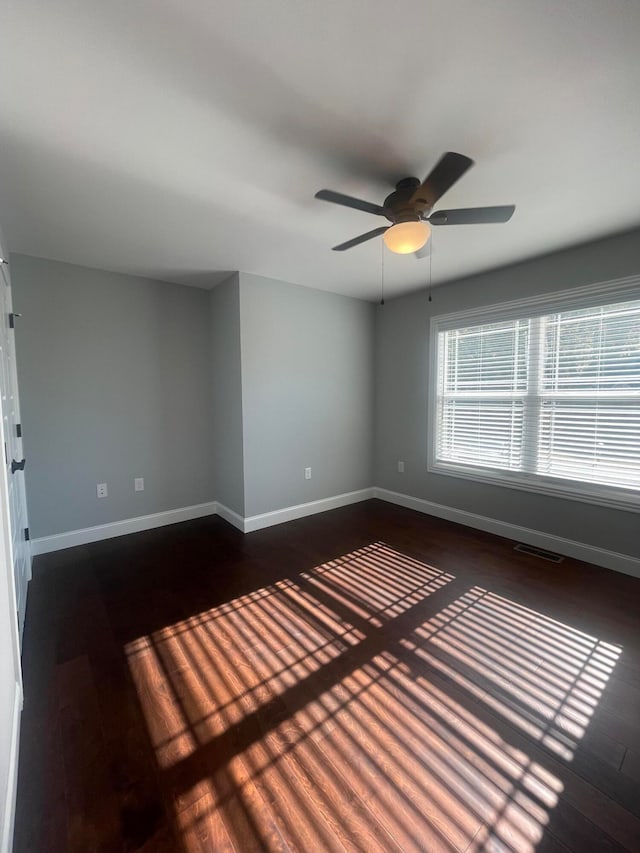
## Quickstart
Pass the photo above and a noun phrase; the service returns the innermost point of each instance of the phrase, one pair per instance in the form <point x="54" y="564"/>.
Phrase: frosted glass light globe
<point x="407" y="237"/>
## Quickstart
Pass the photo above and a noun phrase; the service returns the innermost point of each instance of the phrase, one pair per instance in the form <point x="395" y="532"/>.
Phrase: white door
<point x="13" y="452"/>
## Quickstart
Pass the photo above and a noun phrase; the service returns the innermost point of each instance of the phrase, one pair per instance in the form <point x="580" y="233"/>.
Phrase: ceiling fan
<point x="409" y="208"/>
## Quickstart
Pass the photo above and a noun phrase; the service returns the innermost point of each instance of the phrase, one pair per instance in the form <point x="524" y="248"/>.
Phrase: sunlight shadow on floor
<point x="374" y="702"/>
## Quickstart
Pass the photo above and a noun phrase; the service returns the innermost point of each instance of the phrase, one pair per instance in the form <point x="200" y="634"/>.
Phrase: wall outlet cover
<point x="400" y="467"/>
<point x="102" y="490"/>
<point x="138" y="484"/>
<point x="307" y="473"/>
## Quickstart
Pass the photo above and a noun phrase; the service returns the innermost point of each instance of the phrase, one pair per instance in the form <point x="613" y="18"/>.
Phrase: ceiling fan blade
<point x="349" y="201"/>
<point x="361" y="239"/>
<point x="442" y="177"/>
<point x="425" y="251"/>
<point x="473" y="215"/>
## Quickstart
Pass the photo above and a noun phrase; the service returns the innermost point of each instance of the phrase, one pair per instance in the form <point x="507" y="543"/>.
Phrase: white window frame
<point x="602" y="293"/>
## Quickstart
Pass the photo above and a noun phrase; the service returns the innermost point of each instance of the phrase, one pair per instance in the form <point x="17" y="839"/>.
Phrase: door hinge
<point x="19" y="430"/>
<point x="12" y="319"/>
<point x="26" y="534"/>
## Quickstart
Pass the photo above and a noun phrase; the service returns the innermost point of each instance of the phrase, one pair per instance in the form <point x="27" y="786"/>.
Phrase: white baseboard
<point x="568" y="547"/>
<point x="230" y="516"/>
<point x="45" y="544"/>
<point x="9" y="805"/>
<point x="290" y="513"/>
<point x="72" y="538"/>
<point x="589" y="553"/>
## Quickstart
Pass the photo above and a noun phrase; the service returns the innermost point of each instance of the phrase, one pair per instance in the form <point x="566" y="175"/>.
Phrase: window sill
<point x="614" y="498"/>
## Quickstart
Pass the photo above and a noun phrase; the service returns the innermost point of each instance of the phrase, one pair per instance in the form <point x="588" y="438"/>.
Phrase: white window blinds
<point x="553" y="397"/>
<point x="484" y="380"/>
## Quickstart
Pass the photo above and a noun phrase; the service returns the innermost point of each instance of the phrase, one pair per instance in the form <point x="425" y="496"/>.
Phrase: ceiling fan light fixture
<point x="407" y="237"/>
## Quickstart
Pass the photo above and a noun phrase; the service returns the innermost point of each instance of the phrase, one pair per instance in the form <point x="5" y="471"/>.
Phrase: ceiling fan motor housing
<point x="399" y="206"/>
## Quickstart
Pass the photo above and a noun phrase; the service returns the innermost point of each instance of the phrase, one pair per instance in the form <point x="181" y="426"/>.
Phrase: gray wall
<point x="227" y="440"/>
<point x="114" y="376"/>
<point x="402" y="349"/>
<point x="307" y="392"/>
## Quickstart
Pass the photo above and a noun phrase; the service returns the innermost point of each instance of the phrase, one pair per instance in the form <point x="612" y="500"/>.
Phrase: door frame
<point x="13" y="692"/>
<point x="7" y="579"/>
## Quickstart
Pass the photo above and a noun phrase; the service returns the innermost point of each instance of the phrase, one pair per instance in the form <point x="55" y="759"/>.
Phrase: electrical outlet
<point x="307" y="473"/>
<point x="138" y="484"/>
<point x="102" y="490"/>
<point x="400" y="467"/>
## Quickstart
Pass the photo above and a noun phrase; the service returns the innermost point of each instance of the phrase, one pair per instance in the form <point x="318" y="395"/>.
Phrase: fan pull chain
<point x="382" y="274"/>
<point x="430" y="257"/>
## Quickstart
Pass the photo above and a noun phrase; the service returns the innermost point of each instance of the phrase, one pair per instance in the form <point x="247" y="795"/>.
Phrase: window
<point x="543" y="401"/>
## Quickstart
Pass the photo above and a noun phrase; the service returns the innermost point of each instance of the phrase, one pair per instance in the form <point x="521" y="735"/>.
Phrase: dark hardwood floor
<point x="369" y="679"/>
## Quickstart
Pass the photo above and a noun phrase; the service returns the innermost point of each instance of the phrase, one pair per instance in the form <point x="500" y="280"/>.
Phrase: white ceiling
<point x="182" y="139"/>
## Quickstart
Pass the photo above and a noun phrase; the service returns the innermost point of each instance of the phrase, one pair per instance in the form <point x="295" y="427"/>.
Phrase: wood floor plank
<point x="130" y="756"/>
<point x="327" y="813"/>
<point x="631" y="765"/>
<point x="93" y="818"/>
